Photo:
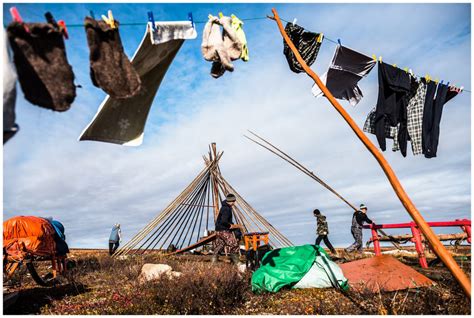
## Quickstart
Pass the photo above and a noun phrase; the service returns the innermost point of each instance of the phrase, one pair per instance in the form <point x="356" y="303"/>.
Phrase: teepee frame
<point x="182" y="221"/>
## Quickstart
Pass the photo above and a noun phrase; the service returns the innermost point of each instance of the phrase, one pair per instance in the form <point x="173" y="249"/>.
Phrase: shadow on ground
<point x="30" y="301"/>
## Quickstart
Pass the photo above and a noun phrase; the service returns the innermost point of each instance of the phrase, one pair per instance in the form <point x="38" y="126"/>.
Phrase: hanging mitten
<point x="237" y="25"/>
<point x="44" y="73"/>
<point x="211" y="38"/>
<point x="110" y="68"/>
<point x="213" y="49"/>
<point x="232" y="45"/>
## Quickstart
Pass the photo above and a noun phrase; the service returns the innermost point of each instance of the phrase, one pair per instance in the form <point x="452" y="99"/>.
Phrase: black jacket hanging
<point x="394" y="88"/>
<point x="45" y="76"/>
<point x="110" y="68"/>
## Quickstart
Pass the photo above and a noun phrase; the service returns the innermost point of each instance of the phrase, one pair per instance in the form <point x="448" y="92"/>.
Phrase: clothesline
<point x="244" y="19"/>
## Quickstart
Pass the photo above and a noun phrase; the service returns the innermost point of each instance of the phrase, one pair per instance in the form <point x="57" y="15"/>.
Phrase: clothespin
<point x="152" y="20"/>
<point x="91" y="13"/>
<point x="62" y="27"/>
<point x="441" y="82"/>
<point x="436" y="80"/>
<point x="394" y="65"/>
<point x="339" y="42"/>
<point x="406" y="69"/>
<point x="190" y="18"/>
<point x="374" y="57"/>
<point x="221" y="15"/>
<point x="294" y="21"/>
<point x="110" y="19"/>
<point x="380" y="59"/>
<point x="428" y="78"/>
<point x="320" y="37"/>
<point x="447" y="84"/>
<point x="17" y="17"/>
<point x="50" y="19"/>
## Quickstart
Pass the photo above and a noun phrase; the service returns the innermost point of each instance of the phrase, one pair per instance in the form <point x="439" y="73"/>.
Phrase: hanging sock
<point x="307" y="43"/>
<point x="45" y="76"/>
<point x="122" y="121"/>
<point x="10" y="128"/>
<point x="347" y="68"/>
<point x="237" y="25"/>
<point x="110" y="68"/>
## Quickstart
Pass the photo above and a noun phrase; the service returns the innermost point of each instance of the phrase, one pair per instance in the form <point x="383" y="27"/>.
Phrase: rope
<point x="325" y="38"/>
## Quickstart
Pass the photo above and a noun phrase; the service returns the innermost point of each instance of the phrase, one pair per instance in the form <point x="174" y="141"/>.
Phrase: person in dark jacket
<point x="224" y="234"/>
<point x="358" y="219"/>
<point x="323" y="231"/>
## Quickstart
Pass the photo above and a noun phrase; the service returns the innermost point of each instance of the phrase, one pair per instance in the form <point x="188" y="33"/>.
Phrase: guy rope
<point x="435" y="243"/>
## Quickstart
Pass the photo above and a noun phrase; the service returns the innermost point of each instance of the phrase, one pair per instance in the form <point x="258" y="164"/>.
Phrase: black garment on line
<point x="434" y="110"/>
<point x="326" y="241"/>
<point x="45" y="76"/>
<point x="305" y="42"/>
<point x="394" y="89"/>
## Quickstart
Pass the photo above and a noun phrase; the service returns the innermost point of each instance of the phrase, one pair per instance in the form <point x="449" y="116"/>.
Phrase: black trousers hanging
<point x="432" y="118"/>
<point x="326" y="241"/>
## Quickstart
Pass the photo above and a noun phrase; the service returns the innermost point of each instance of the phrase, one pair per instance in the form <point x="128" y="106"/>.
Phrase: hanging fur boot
<point x="44" y="73"/>
<point x="110" y="68"/>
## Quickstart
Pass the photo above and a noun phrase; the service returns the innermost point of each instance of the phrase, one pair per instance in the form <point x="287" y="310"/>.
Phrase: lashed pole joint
<point x="436" y="244"/>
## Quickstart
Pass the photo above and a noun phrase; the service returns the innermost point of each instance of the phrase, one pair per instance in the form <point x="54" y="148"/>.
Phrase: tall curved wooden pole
<point x="436" y="244"/>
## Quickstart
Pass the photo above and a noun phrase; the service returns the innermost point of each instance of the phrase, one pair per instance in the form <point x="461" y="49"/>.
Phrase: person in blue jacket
<point x="115" y="238"/>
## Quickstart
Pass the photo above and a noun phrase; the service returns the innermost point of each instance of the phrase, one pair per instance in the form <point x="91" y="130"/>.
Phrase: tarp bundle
<point x="305" y="266"/>
<point x="28" y="234"/>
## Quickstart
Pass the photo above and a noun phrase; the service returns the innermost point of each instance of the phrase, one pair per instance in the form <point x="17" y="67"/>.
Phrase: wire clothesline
<point x="244" y="19"/>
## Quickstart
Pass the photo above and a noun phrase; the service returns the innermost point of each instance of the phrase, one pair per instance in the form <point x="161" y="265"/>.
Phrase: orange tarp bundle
<point x="28" y="234"/>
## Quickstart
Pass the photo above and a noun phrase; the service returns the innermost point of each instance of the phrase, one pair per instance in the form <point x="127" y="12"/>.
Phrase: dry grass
<point x="105" y="285"/>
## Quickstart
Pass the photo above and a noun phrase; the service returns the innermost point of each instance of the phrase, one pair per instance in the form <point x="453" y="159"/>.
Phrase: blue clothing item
<point x="59" y="228"/>
<point x="114" y="235"/>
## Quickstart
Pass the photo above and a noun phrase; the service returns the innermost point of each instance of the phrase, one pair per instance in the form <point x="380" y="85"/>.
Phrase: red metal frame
<point x="418" y="238"/>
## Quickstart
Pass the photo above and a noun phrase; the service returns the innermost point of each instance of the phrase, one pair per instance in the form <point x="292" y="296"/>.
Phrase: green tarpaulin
<point x="287" y="266"/>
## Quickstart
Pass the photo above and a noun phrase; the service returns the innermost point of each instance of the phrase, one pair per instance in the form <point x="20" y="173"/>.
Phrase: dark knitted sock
<point x="44" y="73"/>
<point x="111" y="69"/>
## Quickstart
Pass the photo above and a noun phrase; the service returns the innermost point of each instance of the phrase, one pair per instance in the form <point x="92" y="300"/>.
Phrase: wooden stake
<point x="436" y="244"/>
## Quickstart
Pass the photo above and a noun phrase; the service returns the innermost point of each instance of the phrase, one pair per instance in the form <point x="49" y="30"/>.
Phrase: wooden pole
<point x="436" y="244"/>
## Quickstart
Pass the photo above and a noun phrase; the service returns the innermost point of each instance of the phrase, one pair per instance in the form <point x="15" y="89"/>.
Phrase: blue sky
<point x="91" y="185"/>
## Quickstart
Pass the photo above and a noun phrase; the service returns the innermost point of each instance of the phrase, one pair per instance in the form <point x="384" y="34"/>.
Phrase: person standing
<point x="358" y="219"/>
<point x="224" y="234"/>
<point x="323" y="231"/>
<point x="115" y="238"/>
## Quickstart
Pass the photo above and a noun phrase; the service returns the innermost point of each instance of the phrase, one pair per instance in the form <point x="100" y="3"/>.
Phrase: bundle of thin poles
<point x="280" y="153"/>
<point x="180" y="224"/>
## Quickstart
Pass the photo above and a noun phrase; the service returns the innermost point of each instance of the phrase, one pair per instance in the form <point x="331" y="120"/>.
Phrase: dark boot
<point x="214" y="259"/>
